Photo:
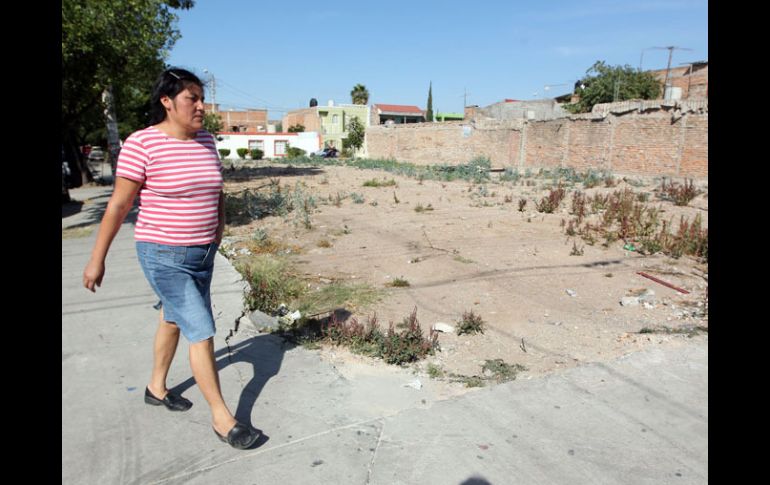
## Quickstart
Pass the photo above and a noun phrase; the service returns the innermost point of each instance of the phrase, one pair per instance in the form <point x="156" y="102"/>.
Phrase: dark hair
<point x="171" y="82"/>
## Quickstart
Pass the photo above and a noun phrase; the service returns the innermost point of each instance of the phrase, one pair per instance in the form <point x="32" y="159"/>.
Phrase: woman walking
<point x="174" y="167"/>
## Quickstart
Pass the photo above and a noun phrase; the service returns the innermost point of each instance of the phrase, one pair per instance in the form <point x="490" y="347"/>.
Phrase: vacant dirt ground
<point x="476" y="251"/>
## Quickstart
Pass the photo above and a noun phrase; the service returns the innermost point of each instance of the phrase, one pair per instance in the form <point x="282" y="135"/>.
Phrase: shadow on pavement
<point x="265" y="354"/>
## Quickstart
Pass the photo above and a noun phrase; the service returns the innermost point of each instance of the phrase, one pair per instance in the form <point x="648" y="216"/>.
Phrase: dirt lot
<point x="543" y="307"/>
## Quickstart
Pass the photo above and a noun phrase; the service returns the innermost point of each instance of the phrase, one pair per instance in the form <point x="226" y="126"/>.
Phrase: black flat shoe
<point x="173" y="402"/>
<point x="240" y="437"/>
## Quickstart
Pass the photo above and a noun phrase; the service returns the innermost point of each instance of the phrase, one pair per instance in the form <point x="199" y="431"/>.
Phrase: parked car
<point x="96" y="155"/>
<point x="329" y="152"/>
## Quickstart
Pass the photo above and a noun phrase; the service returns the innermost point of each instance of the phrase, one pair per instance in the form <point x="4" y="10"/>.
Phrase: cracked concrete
<point x="639" y="419"/>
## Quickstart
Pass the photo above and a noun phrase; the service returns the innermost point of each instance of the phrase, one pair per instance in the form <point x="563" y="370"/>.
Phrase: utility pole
<point x="213" y="91"/>
<point x="666" y="86"/>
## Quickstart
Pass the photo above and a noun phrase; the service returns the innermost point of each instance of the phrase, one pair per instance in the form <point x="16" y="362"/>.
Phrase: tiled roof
<point x="399" y="108"/>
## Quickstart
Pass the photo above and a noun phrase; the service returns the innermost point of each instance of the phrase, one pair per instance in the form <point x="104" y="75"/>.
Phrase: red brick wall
<point x="442" y="143"/>
<point x="589" y="143"/>
<point x="653" y="142"/>
<point x="546" y="143"/>
<point x="307" y="117"/>
<point x="695" y="154"/>
<point x="251" y="120"/>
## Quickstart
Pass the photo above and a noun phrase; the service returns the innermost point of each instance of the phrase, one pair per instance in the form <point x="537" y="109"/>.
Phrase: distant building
<point x="396" y="113"/>
<point x="514" y="109"/>
<point x="252" y="120"/>
<point x="449" y="116"/>
<point x="273" y="145"/>
<point x="330" y="121"/>
<point x="690" y="81"/>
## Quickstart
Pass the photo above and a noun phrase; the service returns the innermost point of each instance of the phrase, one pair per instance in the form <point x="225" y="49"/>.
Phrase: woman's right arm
<point x="117" y="209"/>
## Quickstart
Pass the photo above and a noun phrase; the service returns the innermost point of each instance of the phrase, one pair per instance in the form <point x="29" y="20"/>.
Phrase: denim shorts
<point x="181" y="277"/>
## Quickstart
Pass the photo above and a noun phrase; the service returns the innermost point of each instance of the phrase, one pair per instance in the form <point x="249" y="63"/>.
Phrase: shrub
<point x="470" y="323"/>
<point x="224" y="152"/>
<point x="257" y="154"/>
<point x="242" y="152"/>
<point x="294" y="152"/>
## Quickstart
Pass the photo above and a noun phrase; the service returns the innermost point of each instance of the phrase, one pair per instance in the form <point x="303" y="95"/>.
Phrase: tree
<point x="356" y="133"/>
<point x="212" y="123"/>
<point x="112" y="51"/>
<point x="359" y="94"/>
<point x="605" y="84"/>
<point x="429" y="110"/>
<point x="298" y="128"/>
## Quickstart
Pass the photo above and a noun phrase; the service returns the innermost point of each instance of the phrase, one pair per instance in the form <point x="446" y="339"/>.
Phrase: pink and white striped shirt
<point x="182" y="179"/>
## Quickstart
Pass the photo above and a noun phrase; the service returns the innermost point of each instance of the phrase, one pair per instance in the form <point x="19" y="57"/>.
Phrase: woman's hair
<point x="171" y="82"/>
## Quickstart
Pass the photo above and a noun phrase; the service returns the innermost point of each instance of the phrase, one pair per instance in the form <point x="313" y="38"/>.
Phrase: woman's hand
<point x="93" y="274"/>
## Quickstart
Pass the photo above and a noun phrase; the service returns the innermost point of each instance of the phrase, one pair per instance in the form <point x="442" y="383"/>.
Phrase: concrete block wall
<point x="648" y="138"/>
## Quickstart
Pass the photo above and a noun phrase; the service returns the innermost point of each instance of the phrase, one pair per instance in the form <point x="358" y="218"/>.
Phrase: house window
<point x="280" y="148"/>
<point x="335" y="119"/>
<point x="257" y="145"/>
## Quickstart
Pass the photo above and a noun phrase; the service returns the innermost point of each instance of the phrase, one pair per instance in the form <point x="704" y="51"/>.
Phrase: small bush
<point x="680" y="195"/>
<point x="257" y="154"/>
<point x="379" y="183"/>
<point x="522" y="204"/>
<point x="435" y="371"/>
<point x="242" y="152"/>
<point x="551" y="203"/>
<point x="224" y="152"/>
<point x="270" y="283"/>
<point x="394" y="348"/>
<point x="470" y="323"/>
<point x="399" y="283"/>
<point x="500" y="371"/>
<point x="294" y="152"/>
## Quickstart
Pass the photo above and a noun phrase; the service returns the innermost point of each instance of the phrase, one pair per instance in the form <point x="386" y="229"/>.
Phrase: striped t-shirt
<point x="182" y="179"/>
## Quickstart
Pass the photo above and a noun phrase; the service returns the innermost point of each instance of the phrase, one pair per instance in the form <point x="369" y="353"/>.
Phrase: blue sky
<point x="278" y="55"/>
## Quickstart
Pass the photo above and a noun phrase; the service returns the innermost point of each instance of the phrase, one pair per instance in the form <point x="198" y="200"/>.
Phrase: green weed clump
<point x="470" y="323"/>
<point x="680" y="195"/>
<point x="271" y="283"/>
<point x="393" y="347"/>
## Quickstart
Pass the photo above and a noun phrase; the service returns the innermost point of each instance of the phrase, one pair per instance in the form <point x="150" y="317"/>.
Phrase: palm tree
<point x="359" y="94"/>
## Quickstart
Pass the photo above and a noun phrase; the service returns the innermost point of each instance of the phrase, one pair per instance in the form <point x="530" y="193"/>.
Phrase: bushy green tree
<point x="356" y="133"/>
<point x="605" y="84"/>
<point x="117" y="46"/>
<point x="212" y="123"/>
<point x="298" y="128"/>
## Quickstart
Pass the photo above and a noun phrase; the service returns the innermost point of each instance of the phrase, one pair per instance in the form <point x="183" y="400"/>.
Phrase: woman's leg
<point x="204" y="370"/>
<point x="166" y="341"/>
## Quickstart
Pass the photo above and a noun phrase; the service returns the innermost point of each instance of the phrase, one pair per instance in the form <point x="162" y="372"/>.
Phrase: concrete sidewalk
<point x="642" y="419"/>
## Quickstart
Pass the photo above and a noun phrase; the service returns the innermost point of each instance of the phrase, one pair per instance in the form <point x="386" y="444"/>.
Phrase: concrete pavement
<point x="642" y="419"/>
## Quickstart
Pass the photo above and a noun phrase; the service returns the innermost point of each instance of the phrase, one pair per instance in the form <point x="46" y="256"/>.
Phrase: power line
<point x="248" y="96"/>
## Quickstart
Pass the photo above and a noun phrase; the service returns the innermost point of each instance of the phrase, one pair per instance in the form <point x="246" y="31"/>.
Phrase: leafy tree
<point x="429" y="110"/>
<point x="212" y="123"/>
<point x="605" y="84"/>
<point x="112" y="47"/>
<point x="359" y="94"/>
<point x="298" y="128"/>
<point x="356" y="133"/>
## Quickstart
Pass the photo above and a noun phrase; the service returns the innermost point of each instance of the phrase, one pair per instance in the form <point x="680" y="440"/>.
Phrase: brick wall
<point x="252" y="120"/>
<point x="651" y="138"/>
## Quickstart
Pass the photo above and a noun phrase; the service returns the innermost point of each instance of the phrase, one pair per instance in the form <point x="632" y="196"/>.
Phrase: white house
<point x="273" y="145"/>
